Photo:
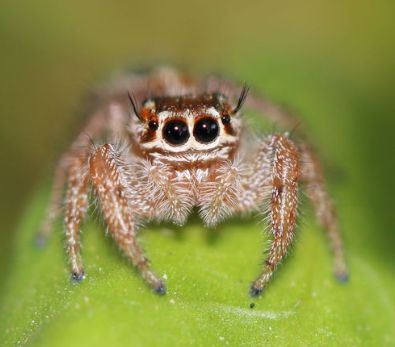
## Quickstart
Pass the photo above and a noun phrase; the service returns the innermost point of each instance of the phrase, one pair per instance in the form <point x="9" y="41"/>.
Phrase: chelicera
<point x="187" y="148"/>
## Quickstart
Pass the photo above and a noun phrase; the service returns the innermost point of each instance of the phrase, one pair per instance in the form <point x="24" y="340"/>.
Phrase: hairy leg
<point x="109" y="113"/>
<point x="219" y="196"/>
<point x="80" y="148"/>
<point x="281" y="155"/>
<point x="55" y="203"/>
<point x="110" y="179"/>
<point x="76" y="207"/>
<point x="311" y="170"/>
<point x="167" y="196"/>
<point x="324" y="209"/>
<point x="313" y="176"/>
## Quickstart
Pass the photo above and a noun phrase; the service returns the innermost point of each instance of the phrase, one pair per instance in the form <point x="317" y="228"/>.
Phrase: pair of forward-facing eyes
<point x="206" y="128"/>
<point x="176" y="131"/>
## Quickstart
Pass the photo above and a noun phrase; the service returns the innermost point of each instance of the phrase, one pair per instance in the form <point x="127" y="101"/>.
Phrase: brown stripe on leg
<point x="55" y="203"/>
<point x="110" y="179"/>
<point x="283" y="206"/>
<point x="80" y="148"/>
<point x="75" y="212"/>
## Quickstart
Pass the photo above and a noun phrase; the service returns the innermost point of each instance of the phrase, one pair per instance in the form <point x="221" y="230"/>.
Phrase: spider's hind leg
<point x="55" y="203"/>
<point x="325" y="211"/>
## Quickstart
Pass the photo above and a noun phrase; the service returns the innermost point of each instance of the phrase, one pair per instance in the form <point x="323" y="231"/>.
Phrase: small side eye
<point x="225" y="119"/>
<point x="153" y="125"/>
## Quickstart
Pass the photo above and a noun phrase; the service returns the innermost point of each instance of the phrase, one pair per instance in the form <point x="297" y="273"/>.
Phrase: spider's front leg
<point x="111" y="182"/>
<point x="277" y="168"/>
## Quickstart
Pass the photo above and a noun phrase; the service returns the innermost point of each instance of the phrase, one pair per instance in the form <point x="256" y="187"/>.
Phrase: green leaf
<point x="209" y="271"/>
<point x="208" y="274"/>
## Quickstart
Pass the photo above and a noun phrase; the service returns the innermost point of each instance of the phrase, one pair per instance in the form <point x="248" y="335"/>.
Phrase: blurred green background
<point x="332" y="61"/>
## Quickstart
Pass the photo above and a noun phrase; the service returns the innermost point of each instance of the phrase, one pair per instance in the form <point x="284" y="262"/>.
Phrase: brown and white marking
<point x="185" y="147"/>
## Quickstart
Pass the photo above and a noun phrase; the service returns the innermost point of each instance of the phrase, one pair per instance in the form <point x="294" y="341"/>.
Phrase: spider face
<point x="188" y="124"/>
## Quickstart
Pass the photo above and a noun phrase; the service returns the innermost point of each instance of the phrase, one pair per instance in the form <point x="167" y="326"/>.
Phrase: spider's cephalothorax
<point x="185" y="150"/>
<point x="189" y="129"/>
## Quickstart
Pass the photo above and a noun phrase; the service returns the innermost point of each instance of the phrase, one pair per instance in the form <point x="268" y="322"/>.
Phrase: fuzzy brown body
<point x="184" y="148"/>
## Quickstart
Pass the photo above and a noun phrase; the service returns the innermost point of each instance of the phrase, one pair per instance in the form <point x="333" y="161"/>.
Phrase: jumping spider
<point x="185" y="148"/>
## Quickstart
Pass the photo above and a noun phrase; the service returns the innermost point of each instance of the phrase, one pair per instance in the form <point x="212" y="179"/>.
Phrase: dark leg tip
<point x="40" y="241"/>
<point x="255" y="292"/>
<point x="160" y="289"/>
<point x="77" y="277"/>
<point x="342" y="277"/>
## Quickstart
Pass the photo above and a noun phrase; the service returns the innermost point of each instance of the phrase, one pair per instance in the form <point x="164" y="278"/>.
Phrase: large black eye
<point x="206" y="130"/>
<point x="176" y="132"/>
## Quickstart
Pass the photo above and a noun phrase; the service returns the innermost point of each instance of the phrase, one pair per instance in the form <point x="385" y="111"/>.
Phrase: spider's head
<point x="194" y="126"/>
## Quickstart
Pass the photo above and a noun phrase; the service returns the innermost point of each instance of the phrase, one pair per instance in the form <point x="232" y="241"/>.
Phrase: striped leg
<point x="110" y="181"/>
<point x="71" y="163"/>
<point x="220" y="195"/>
<point x="75" y="212"/>
<point x="283" y="204"/>
<point x="55" y="204"/>
<point x="324" y="209"/>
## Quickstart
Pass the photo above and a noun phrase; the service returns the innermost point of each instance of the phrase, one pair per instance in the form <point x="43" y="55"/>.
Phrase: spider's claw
<point x="255" y="291"/>
<point x="77" y="277"/>
<point x="160" y="289"/>
<point x="342" y="277"/>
